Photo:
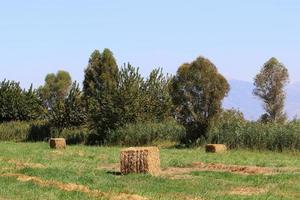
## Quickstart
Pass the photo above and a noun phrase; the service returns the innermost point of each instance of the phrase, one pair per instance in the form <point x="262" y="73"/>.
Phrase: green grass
<point x="80" y="165"/>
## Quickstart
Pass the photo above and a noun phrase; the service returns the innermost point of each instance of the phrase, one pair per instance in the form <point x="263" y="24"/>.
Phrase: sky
<point x="42" y="36"/>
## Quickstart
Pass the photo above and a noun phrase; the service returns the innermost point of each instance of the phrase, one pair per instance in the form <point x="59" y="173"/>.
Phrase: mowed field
<point x="34" y="171"/>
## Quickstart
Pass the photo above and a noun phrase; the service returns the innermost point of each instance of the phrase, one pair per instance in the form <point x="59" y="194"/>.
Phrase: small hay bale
<point x="57" y="143"/>
<point x="140" y="160"/>
<point x="215" y="148"/>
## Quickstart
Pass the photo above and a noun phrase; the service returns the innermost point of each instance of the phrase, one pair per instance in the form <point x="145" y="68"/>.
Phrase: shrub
<point x="256" y="135"/>
<point x="147" y="133"/>
<point x="40" y="131"/>
<point x="14" y="131"/>
<point x="24" y="131"/>
<point x="74" y="135"/>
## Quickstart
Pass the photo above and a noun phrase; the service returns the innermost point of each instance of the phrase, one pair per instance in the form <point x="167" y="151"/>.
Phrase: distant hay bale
<point x="140" y="160"/>
<point x="215" y="148"/>
<point x="57" y="143"/>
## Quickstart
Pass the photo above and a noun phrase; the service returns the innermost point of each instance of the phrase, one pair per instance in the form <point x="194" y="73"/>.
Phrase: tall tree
<point x="197" y="92"/>
<point x="18" y="104"/>
<point x="101" y="74"/>
<point x="99" y="87"/>
<point x="157" y="100"/>
<point x="71" y="111"/>
<point x="130" y="97"/>
<point x="269" y="87"/>
<point x="55" y="89"/>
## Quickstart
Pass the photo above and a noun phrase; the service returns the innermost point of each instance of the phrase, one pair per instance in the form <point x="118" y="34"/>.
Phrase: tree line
<point x="113" y="97"/>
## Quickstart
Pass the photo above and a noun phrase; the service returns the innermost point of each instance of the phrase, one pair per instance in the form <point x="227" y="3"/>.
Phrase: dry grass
<point x="215" y="148"/>
<point x="247" y="191"/>
<point x="57" y="143"/>
<point x="140" y="160"/>
<point x="70" y="187"/>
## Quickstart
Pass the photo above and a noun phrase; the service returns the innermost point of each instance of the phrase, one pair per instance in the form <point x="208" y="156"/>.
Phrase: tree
<point x="197" y="92"/>
<point x="99" y="87"/>
<point x="130" y="96"/>
<point x="269" y="87"/>
<point x="101" y="74"/>
<point x="70" y="112"/>
<point x="142" y="100"/>
<point x="18" y="104"/>
<point x="157" y="100"/>
<point x="55" y="89"/>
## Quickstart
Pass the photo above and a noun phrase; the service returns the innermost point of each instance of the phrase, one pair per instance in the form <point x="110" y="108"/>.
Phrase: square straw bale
<point x="215" y="148"/>
<point x="57" y="143"/>
<point x="140" y="160"/>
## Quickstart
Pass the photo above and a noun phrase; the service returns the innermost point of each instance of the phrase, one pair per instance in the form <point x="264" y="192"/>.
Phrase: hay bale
<point x="215" y="148"/>
<point x="140" y="160"/>
<point x="57" y="143"/>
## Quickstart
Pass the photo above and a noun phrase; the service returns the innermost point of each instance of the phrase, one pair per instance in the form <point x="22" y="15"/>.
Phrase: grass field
<point x="34" y="171"/>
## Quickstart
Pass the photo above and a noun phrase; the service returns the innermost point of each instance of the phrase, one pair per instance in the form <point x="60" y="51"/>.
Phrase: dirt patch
<point x="181" y="177"/>
<point x="127" y="197"/>
<point x="180" y="173"/>
<point x="247" y="191"/>
<point x="21" y="165"/>
<point x="69" y="187"/>
<point x="248" y="170"/>
<point x="172" y="172"/>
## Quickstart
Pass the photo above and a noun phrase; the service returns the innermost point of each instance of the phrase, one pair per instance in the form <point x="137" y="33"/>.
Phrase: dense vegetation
<point x="118" y="106"/>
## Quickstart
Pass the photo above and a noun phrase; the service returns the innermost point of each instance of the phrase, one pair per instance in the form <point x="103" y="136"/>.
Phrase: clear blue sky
<point x="42" y="36"/>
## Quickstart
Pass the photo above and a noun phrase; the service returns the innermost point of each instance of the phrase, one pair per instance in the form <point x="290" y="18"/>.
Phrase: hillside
<point x="242" y="98"/>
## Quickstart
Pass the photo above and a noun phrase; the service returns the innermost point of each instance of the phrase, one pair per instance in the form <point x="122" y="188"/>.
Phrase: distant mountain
<point x="241" y="97"/>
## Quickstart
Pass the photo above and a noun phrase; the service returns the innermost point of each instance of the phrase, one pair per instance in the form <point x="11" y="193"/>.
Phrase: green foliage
<point x="116" y="97"/>
<point x="99" y="87"/>
<point x="71" y="111"/>
<point x="142" y="100"/>
<point x="130" y="97"/>
<point x="24" y="131"/>
<point x="35" y="131"/>
<point x="101" y="74"/>
<point x="73" y="135"/>
<point x="147" y="133"/>
<point x="55" y="89"/>
<point x="197" y="92"/>
<point x="18" y="104"/>
<point x="157" y="102"/>
<point x="269" y="87"/>
<point x="237" y="133"/>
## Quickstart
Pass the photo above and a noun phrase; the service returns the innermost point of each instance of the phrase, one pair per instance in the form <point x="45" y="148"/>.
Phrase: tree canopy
<point x="269" y="87"/>
<point x="197" y="92"/>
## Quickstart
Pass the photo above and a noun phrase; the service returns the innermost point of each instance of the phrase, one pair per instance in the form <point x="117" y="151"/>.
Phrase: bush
<point x="256" y="135"/>
<point x="24" y="131"/>
<point x="40" y="131"/>
<point x="147" y="133"/>
<point x="14" y="131"/>
<point x="74" y="135"/>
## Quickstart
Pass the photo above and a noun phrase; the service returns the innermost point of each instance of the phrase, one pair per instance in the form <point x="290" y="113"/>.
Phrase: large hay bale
<point x="57" y="143"/>
<point x="215" y="148"/>
<point x="140" y="160"/>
